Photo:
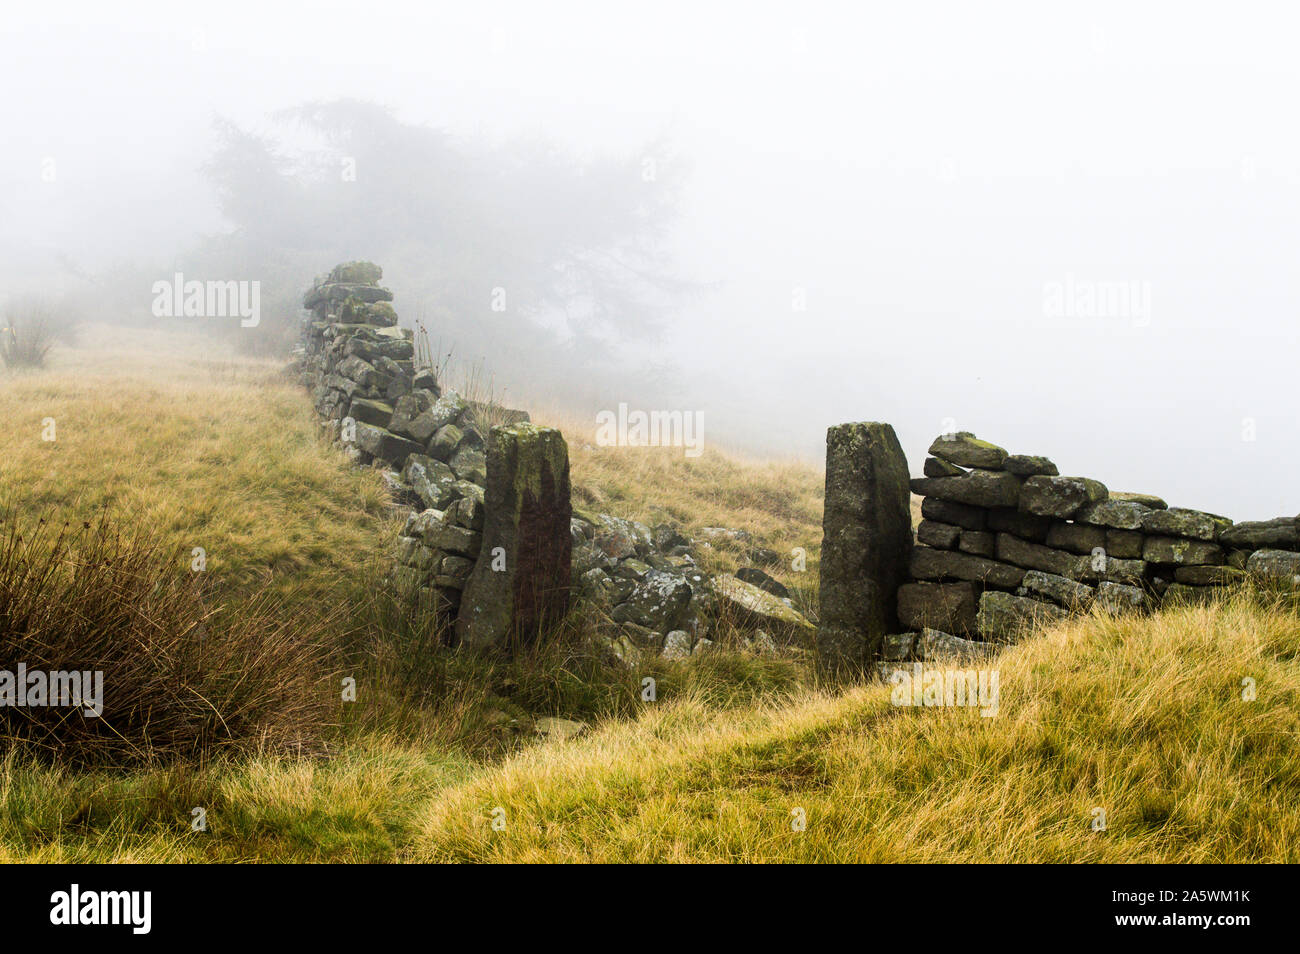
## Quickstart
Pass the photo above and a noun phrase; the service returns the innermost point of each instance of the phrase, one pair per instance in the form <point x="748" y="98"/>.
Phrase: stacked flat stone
<point x="1007" y="541"/>
<point x="353" y="352"/>
<point x="1266" y="549"/>
<point x="360" y="367"/>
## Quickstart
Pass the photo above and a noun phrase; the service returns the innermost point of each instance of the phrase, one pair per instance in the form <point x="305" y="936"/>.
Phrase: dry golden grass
<point x="1141" y="716"/>
<point x="212" y="450"/>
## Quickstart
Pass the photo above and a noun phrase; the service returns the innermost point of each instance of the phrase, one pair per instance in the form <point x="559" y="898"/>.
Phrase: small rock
<point x="764" y="582"/>
<point x="677" y="645"/>
<point x="666" y="537"/>
<point x="936" y="645"/>
<point x="1146" y="500"/>
<point x="1274" y="564"/>
<point x="1116" y="598"/>
<point x="898" y="646"/>
<point x="724" y="535"/>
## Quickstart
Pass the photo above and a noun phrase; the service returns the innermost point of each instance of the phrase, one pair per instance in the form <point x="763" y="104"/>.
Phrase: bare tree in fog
<point x="515" y="248"/>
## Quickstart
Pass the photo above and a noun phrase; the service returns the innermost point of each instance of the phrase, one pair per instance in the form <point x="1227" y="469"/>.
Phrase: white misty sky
<point x="919" y="171"/>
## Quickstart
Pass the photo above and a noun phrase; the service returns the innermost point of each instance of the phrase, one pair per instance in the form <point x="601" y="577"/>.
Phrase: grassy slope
<point x="1140" y="717"/>
<point x="1143" y="718"/>
<point x="215" y="452"/>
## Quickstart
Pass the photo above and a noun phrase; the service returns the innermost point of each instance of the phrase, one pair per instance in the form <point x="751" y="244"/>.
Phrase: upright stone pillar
<point x="520" y="580"/>
<point x="866" y="542"/>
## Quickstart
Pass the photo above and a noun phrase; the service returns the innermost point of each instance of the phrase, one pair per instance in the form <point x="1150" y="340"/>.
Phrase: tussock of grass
<point x="163" y="669"/>
<point x="28" y="331"/>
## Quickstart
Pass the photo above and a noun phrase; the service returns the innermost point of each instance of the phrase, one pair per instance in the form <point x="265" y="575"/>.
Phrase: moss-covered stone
<point x="432" y="481"/>
<point x="1029" y="465"/>
<point x="1275" y="564"/>
<point x="444" y="443"/>
<point x="384" y="444"/>
<point x="1003" y="616"/>
<point x="371" y="412"/>
<point x="380" y="313"/>
<point x="360" y="273"/>
<point x="935" y="467"/>
<point x="1061" y="497"/>
<point x="520" y="582"/>
<point x="1181" y="551"/>
<point x="1281" y="533"/>
<point x="1181" y="522"/>
<point x="866" y="539"/>
<point x="978" y="488"/>
<point x="966" y="449"/>
<point x="749" y="606"/>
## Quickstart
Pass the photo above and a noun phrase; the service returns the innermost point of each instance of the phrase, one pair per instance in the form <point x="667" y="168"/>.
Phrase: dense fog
<point x="1072" y="233"/>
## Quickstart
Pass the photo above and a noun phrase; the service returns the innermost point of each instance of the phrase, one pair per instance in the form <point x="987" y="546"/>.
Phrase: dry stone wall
<point x="491" y="535"/>
<point x="492" y="538"/>
<point x="433" y="447"/>
<point x="1006" y="541"/>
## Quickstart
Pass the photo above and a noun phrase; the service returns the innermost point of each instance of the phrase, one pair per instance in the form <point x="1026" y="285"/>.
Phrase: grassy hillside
<point x="173" y="432"/>
<point x="1140" y="717"/>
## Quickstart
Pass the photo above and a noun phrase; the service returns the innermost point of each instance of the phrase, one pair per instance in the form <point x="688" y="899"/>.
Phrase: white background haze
<point x="919" y="172"/>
